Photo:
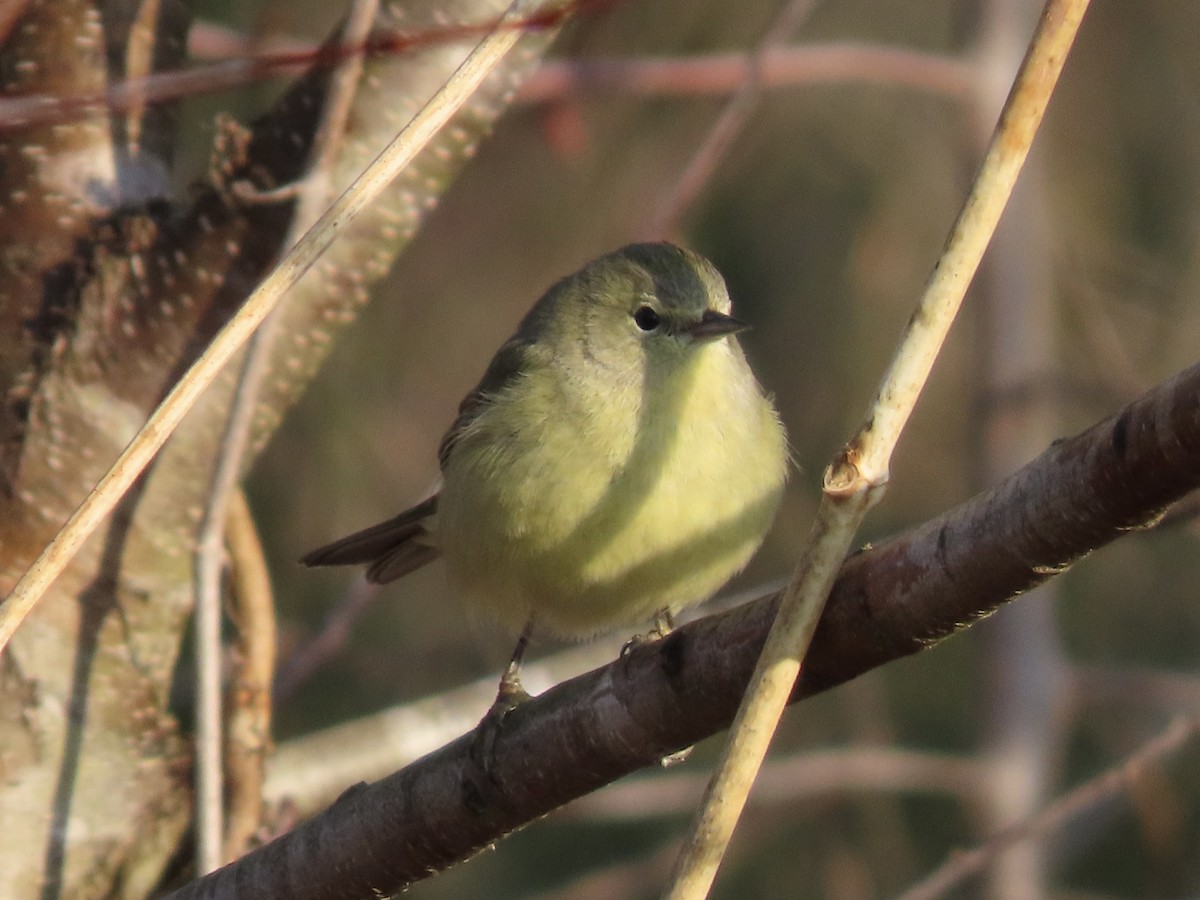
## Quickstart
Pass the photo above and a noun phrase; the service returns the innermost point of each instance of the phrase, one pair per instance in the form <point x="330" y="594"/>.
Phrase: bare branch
<point x="856" y="477"/>
<point x="890" y="601"/>
<point x="800" y="777"/>
<point x="235" y="442"/>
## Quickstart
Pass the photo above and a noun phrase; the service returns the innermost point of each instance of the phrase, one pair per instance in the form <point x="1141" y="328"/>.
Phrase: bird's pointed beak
<point x="713" y="325"/>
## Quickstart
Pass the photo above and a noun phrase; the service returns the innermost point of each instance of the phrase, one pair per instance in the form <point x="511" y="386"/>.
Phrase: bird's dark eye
<point x="646" y="318"/>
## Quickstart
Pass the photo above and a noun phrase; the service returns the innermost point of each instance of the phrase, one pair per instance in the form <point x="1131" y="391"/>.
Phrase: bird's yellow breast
<point x="591" y="504"/>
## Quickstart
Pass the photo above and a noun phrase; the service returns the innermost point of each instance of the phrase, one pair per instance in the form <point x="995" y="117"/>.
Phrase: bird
<point x="617" y="462"/>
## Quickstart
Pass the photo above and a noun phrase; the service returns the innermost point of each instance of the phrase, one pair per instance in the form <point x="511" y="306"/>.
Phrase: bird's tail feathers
<point x="392" y="548"/>
<point x="399" y="561"/>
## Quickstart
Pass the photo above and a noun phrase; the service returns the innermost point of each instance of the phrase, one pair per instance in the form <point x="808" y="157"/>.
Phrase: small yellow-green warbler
<point x="618" y="461"/>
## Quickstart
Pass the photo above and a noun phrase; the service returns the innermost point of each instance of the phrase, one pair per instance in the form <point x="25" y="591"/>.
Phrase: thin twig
<point x="721" y="74"/>
<point x="366" y="188"/>
<point x="728" y="125"/>
<point x="44" y="109"/>
<point x="329" y="640"/>
<point x="856" y="477"/>
<point x="313" y="196"/>
<point x="963" y="865"/>
<point x="1115" y="368"/>
<point x="209" y="782"/>
<point x="802" y="776"/>
<point x="1138" y="688"/>
<point x="713" y="75"/>
<point x="249" y="719"/>
<point x="210" y="831"/>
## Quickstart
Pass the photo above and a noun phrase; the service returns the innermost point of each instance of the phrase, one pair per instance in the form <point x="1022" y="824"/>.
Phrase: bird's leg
<point x="511" y="693"/>
<point x="509" y="696"/>
<point x="664" y="624"/>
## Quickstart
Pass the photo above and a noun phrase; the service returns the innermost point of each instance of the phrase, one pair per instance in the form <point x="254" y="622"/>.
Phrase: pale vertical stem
<point x="313" y="197"/>
<point x="856" y="477"/>
<point x="210" y="781"/>
<point x="209" y="778"/>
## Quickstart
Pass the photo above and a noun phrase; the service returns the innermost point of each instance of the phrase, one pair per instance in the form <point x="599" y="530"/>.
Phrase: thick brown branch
<point x="890" y="601"/>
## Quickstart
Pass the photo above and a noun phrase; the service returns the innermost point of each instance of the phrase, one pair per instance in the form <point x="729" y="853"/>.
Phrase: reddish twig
<point x="327" y="642"/>
<point x="723" y="73"/>
<point x="717" y="74"/>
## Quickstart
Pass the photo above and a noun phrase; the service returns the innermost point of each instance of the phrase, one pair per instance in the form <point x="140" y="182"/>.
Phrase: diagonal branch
<point x="855" y="479"/>
<point x="889" y="601"/>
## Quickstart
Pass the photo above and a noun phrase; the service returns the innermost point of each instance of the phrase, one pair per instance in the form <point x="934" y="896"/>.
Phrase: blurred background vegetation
<point x="825" y="217"/>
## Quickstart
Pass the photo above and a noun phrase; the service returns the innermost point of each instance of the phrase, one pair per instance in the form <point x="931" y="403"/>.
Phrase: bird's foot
<point x="509" y="696"/>
<point x="664" y="624"/>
